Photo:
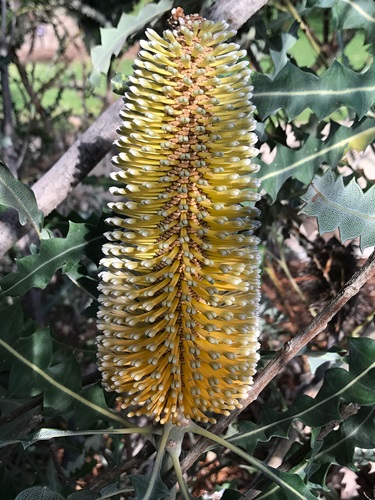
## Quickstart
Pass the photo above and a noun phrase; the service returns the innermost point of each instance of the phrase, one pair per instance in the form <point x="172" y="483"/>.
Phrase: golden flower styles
<point x="180" y="288"/>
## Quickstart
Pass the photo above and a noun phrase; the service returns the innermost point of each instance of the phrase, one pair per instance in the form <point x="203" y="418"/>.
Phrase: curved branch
<point x="283" y="356"/>
<point x="234" y="12"/>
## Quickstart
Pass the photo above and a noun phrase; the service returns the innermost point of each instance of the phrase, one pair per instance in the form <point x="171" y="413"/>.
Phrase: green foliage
<point x="303" y="163"/>
<point x="354" y="386"/>
<point x="315" y="94"/>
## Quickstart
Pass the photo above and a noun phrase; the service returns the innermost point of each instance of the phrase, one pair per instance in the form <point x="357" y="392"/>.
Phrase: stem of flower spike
<point x="149" y="495"/>
<point x="173" y="448"/>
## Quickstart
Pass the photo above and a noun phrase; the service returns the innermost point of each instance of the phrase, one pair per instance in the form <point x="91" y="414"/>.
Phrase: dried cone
<point x="180" y="289"/>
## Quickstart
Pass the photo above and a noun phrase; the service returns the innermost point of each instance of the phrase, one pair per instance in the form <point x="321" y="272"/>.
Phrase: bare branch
<point x="235" y="12"/>
<point x="55" y="185"/>
<point x="284" y="355"/>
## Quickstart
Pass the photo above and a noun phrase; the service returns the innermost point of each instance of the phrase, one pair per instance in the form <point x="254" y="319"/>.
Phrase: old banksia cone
<point x="180" y="289"/>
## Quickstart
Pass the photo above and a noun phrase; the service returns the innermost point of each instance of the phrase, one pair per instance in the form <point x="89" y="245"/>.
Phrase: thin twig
<point x="284" y="355"/>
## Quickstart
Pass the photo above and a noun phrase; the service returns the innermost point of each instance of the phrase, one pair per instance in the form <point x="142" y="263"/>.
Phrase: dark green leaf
<point x="6" y="486"/>
<point x="37" y="348"/>
<point x="231" y="495"/>
<point x="338" y="447"/>
<point x="87" y="417"/>
<point x="11" y="320"/>
<point x="294" y="90"/>
<point x="37" y="270"/>
<point x="347" y="208"/>
<point x="16" y="195"/>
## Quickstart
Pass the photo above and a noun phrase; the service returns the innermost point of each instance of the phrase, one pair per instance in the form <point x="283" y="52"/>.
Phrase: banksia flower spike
<point x="180" y="289"/>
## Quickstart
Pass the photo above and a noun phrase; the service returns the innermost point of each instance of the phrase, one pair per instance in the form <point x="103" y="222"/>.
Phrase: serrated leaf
<point x="347" y="208"/>
<point x="37" y="347"/>
<point x="37" y="270"/>
<point x="292" y="486"/>
<point x="27" y="381"/>
<point x="15" y="194"/>
<point x="84" y="416"/>
<point x="141" y="484"/>
<point x="113" y="39"/>
<point x="39" y="493"/>
<point x="295" y="90"/>
<point x="303" y="163"/>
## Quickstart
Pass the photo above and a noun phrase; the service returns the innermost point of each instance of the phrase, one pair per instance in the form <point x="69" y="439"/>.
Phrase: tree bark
<point x="234" y="12"/>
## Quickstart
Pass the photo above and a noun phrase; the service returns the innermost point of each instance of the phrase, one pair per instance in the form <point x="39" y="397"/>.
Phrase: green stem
<point x="174" y="447"/>
<point x="177" y="467"/>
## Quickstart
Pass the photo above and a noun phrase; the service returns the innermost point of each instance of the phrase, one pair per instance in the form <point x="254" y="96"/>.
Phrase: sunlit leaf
<point x="113" y="39"/>
<point x="341" y="206"/>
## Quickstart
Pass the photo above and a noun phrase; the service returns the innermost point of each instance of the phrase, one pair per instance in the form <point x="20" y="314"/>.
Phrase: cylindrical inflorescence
<point x="178" y="314"/>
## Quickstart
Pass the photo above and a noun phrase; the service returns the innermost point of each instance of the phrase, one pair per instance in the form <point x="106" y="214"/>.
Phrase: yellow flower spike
<point x="180" y="287"/>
